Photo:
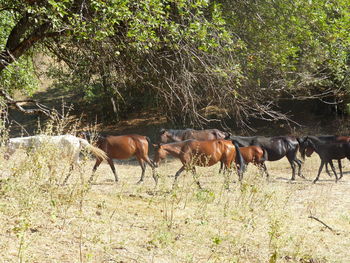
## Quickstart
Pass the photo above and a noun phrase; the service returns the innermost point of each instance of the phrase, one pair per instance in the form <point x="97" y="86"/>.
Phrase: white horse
<point x="69" y="145"/>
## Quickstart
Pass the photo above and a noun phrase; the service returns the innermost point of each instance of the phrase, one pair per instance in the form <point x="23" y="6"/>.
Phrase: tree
<point x="196" y="61"/>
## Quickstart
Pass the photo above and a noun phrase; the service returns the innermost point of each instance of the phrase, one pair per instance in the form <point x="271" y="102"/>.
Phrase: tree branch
<point x="318" y="220"/>
<point x="10" y="55"/>
<point x="41" y="109"/>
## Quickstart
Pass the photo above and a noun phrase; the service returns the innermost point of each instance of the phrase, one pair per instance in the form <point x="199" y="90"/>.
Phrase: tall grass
<point x="253" y="221"/>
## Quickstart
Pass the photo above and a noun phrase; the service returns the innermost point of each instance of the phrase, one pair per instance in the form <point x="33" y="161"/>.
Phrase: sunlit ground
<point x="253" y="221"/>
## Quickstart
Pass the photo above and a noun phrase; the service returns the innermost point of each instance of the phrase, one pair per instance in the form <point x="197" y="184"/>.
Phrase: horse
<point x="199" y="153"/>
<point x="255" y="155"/>
<point x="276" y="148"/>
<point x="170" y="135"/>
<point x="69" y="144"/>
<point x="327" y="152"/>
<point x="324" y="138"/>
<point x="123" y="147"/>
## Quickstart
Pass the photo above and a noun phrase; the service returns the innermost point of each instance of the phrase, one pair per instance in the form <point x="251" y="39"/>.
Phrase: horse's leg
<point x="292" y="164"/>
<point x="111" y="164"/>
<point x="177" y="174"/>
<point x="227" y="174"/>
<point x="221" y="167"/>
<point x="327" y="171"/>
<point x="299" y="163"/>
<point x="71" y="168"/>
<point x="143" y="167"/>
<point x="263" y="165"/>
<point x="195" y="177"/>
<point x="97" y="164"/>
<point x="150" y="163"/>
<point x="240" y="174"/>
<point x="340" y="169"/>
<point x="333" y="169"/>
<point x="260" y="166"/>
<point x="319" y="171"/>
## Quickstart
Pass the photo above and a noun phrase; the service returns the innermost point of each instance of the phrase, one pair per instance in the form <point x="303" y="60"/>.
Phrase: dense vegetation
<point x="195" y="60"/>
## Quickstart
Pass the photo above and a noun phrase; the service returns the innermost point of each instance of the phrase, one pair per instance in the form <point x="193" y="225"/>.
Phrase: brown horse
<point x="200" y="153"/>
<point x="252" y="154"/>
<point x="170" y="135"/>
<point x="123" y="147"/>
<point x="255" y="155"/>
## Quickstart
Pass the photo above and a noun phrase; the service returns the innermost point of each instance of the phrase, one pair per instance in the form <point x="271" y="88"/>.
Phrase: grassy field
<point x="253" y="221"/>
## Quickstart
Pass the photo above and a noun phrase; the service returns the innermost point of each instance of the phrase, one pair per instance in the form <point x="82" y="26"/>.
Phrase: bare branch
<point x="41" y="109"/>
<point x="327" y="226"/>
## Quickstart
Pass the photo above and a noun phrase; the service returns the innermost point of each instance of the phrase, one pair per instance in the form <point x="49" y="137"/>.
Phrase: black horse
<point x="328" y="148"/>
<point x="276" y="148"/>
<point x="326" y="139"/>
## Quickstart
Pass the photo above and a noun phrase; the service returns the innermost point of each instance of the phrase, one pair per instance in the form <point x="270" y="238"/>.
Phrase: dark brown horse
<point x="123" y="147"/>
<point x="170" y="135"/>
<point x="200" y="153"/>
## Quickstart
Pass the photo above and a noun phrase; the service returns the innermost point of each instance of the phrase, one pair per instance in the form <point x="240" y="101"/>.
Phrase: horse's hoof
<point x="140" y="182"/>
<point x="314" y="181"/>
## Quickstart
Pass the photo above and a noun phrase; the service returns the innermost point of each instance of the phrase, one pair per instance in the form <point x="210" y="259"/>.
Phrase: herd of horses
<point x="197" y="148"/>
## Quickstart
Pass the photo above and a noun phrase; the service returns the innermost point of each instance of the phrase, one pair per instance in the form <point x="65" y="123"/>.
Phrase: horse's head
<point x="227" y="135"/>
<point x="82" y="134"/>
<point x="309" y="151"/>
<point x="305" y="147"/>
<point x="164" y="136"/>
<point x="159" y="154"/>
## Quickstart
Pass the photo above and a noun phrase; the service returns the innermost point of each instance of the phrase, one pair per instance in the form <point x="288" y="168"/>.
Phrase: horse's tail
<point x="302" y="150"/>
<point x="239" y="158"/>
<point x="94" y="150"/>
<point x="265" y="156"/>
<point x="149" y="140"/>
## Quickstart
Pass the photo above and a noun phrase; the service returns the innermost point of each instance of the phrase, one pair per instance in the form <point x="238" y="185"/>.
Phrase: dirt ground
<point x="257" y="220"/>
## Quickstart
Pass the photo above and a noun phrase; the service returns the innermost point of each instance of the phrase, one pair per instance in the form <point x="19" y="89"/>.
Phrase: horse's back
<point x="124" y="146"/>
<point x="204" y="135"/>
<point x="206" y="153"/>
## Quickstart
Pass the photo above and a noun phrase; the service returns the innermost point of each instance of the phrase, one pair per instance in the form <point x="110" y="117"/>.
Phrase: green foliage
<point x="20" y="75"/>
<point x="241" y="55"/>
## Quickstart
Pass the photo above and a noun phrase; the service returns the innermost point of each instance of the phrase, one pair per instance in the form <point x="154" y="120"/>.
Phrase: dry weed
<point x="253" y="221"/>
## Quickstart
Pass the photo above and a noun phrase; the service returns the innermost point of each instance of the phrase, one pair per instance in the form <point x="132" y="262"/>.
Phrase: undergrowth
<point x="256" y="220"/>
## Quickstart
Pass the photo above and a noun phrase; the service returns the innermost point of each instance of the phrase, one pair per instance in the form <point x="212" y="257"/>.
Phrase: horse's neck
<point x="316" y="143"/>
<point x="173" y="149"/>
<point x="175" y="138"/>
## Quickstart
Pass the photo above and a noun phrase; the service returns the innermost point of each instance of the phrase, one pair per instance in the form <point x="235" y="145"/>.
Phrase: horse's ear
<point x="157" y="146"/>
<point x="162" y="130"/>
<point x="227" y="135"/>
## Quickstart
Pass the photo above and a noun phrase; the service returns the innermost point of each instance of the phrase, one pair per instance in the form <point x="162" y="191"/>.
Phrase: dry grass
<point x="256" y="221"/>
